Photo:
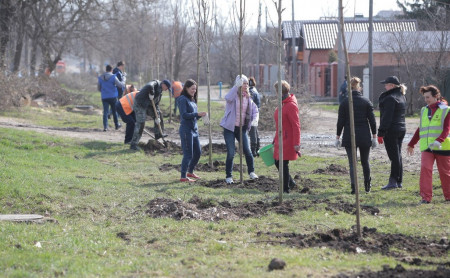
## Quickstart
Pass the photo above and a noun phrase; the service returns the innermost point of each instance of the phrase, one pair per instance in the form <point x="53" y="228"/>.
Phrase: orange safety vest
<point x="127" y="102"/>
<point x="177" y="88"/>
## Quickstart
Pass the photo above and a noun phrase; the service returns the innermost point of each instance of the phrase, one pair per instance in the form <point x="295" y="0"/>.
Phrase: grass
<point x="96" y="190"/>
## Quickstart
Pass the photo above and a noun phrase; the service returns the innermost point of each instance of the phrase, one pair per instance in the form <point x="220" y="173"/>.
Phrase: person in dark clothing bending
<point x="392" y="128"/>
<point x="142" y="106"/>
<point x="365" y="131"/>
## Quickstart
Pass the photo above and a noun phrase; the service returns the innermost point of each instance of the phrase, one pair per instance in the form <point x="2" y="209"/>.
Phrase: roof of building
<point x="387" y="42"/>
<point x="287" y="28"/>
<point x="322" y="35"/>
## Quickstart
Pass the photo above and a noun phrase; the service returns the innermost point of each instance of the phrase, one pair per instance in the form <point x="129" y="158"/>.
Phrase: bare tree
<point x="5" y="17"/>
<point x="58" y="23"/>
<point x="206" y="34"/>
<point x="422" y="58"/>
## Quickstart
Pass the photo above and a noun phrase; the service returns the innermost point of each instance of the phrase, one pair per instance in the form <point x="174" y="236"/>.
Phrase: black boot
<point x="292" y="183"/>
<point x="353" y="189"/>
<point x="367" y="185"/>
<point x="391" y="184"/>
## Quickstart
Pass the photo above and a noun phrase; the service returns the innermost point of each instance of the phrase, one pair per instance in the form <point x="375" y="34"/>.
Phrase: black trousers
<point x="393" y="144"/>
<point x="364" y="157"/>
<point x="286" y="175"/>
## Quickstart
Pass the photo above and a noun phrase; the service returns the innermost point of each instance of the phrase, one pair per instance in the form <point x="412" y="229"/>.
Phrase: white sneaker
<point x="253" y="175"/>
<point x="229" y="180"/>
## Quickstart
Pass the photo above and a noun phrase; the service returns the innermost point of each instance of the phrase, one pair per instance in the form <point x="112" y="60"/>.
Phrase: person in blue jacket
<point x="107" y="85"/>
<point x="189" y="130"/>
<point x="119" y="71"/>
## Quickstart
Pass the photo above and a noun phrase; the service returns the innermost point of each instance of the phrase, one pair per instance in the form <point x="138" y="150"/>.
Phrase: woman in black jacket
<point x="392" y="128"/>
<point x="365" y="136"/>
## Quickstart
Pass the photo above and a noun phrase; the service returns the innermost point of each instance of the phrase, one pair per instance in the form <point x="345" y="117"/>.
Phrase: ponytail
<point x="403" y="88"/>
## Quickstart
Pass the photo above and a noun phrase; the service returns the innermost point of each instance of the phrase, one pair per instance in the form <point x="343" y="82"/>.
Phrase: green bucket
<point x="266" y="153"/>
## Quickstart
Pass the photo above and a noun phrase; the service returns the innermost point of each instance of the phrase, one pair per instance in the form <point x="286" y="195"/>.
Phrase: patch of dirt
<point x="202" y="167"/>
<point x="332" y="169"/>
<point x="212" y="210"/>
<point x="350" y="208"/>
<point x="399" y="272"/>
<point x="395" y="245"/>
<point x="153" y="146"/>
<point x="124" y="236"/>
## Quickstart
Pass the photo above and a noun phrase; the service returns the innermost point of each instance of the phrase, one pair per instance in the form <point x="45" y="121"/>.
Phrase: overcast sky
<point x="311" y="9"/>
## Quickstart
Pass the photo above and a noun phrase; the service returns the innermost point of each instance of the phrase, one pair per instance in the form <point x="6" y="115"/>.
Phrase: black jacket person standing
<point x="365" y="130"/>
<point x="392" y="128"/>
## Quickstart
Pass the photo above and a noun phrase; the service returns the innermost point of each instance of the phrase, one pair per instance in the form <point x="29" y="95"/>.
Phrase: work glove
<point x="151" y="97"/>
<point x="124" y="79"/>
<point x="158" y="121"/>
<point x="380" y="140"/>
<point x="205" y="119"/>
<point x="436" y="145"/>
<point x="239" y="81"/>
<point x="374" y="143"/>
<point x="337" y="143"/>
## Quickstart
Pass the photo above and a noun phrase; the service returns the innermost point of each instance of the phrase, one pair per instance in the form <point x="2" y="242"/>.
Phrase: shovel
<point x="159" y="126"/>
<point x="151" y="135"/>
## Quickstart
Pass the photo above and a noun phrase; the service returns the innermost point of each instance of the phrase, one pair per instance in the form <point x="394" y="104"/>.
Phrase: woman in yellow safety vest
<point x="434" y="141"/>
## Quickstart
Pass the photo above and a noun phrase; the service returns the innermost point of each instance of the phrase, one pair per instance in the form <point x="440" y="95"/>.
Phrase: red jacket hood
<point x="290" y="98"/>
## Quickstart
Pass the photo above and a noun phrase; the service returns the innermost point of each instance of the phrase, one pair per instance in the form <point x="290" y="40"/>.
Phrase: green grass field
<point x="97" y="192"/>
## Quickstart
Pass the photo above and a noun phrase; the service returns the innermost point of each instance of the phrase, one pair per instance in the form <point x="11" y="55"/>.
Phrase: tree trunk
<point x="5" y="16"/>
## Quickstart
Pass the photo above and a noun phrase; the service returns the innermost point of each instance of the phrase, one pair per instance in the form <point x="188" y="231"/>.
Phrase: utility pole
<point x="370" y="62"/>
<point x="294" y="54"/>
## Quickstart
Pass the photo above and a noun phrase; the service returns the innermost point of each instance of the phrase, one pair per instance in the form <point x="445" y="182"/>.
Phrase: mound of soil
<point x="395" y="245"/>
<point x="212" y="210"/>
<point x="263" y="183"/>
<point x="332" y="169"/>
<point x="400" y="272"/>
<point x="153" y="146"/>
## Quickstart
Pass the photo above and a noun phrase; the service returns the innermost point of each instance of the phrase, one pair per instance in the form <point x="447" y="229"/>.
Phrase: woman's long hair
<point x="355" y="83"/>
<point x="402" y="87"/>
<point x="435" y="92"/>
<point x="189" y="83"/>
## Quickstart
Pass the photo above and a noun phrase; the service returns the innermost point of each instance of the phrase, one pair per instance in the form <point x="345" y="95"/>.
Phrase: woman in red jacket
<point x="291" y="133"/>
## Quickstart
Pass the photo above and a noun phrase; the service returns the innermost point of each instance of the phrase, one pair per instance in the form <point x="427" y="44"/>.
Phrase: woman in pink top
<point x="231" y="122"/>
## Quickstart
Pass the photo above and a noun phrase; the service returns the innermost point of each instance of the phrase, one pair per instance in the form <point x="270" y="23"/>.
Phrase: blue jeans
<point x="130" y="120"/>
<point x="229" y="137"/>
<point x="190" y="144"/>
<point x="107" y="102"/>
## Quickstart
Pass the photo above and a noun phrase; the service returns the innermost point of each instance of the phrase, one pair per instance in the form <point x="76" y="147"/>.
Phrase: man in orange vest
<point x="177" y="88"/>
<point x="124" y="107"/>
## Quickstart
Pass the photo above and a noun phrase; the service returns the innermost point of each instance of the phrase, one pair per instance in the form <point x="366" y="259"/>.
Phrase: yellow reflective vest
<point x="430" y="129"/>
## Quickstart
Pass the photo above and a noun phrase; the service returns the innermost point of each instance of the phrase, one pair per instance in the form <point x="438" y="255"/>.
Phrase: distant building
<point x="314" y="42"/>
